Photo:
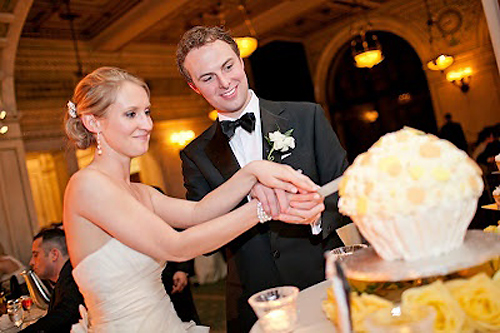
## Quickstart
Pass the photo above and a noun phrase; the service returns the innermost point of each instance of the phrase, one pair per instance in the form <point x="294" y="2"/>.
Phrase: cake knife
<point x="331" y="187"/>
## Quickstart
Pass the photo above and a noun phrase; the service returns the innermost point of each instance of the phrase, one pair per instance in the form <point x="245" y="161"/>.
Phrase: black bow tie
<point x="247" y="122"/>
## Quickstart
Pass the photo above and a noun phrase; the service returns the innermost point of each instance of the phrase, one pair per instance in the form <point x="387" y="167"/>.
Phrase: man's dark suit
<point x="63" y="307"/>
<point x="183" y="301"/>
<point x="275" y="253"/>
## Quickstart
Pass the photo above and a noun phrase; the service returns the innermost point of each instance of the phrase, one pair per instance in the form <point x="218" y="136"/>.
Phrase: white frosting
<point x="398" y="188"/>
<point x="497" y="158"/>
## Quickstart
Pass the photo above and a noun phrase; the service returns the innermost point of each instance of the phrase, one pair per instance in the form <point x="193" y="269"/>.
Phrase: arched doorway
<point x="281" y="73"/>
<point x="365" y="104"/>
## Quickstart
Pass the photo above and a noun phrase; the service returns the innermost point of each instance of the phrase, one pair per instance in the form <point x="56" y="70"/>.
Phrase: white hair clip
<point x="72" y="109"/>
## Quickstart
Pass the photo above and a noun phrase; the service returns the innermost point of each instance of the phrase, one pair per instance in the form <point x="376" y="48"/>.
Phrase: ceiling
<point x="109" y="25"/>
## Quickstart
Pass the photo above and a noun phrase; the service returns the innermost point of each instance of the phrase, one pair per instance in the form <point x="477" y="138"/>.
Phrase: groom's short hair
<point x="197" y="37"/>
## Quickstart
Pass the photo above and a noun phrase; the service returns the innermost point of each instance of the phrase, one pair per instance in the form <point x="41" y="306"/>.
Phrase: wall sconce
<point x="182" y="138"/>
<point x="460" y="78"/>
<point x="3" y="128"/>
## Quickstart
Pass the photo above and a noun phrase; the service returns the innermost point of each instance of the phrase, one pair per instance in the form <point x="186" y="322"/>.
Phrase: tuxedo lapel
<point x="272" y="120"/>
<point x="220" y="153"/>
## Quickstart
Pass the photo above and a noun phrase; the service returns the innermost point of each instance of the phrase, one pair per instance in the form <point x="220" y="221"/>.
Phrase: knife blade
<point x="331" y="187"/>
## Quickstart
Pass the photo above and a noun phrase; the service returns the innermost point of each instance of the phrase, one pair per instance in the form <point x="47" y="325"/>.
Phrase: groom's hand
<point x="180" y="281"/>
<point x="303" y="207"/>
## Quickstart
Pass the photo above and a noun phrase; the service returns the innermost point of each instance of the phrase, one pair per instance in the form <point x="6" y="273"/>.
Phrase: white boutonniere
<point x="281" y="142"/>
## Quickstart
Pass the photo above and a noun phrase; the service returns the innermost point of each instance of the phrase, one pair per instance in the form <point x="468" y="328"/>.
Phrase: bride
<point x="120" y="233"/>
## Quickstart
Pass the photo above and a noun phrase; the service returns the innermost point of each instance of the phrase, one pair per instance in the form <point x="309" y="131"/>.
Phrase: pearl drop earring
<point x="99" y="149"/>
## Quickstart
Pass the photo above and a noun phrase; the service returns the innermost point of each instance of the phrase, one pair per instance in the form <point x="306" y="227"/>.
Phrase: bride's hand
<point x="280" y="176"/>
<point x="303" y="208"/>
<point x="274" y="201"/>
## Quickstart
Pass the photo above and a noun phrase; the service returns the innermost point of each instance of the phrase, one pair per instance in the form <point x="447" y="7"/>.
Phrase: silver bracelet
<point x="261" y="213"/>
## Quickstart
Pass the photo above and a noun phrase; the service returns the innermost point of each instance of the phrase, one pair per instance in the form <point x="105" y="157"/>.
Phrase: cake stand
<point x="478" y="248"/>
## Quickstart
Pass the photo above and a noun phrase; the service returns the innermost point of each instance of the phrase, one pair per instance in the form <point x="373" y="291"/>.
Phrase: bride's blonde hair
<point x="93" y="95"/>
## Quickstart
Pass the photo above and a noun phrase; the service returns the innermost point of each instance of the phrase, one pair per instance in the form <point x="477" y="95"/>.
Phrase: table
<point x="311" y="318"/>
<point x="6" y="326"/>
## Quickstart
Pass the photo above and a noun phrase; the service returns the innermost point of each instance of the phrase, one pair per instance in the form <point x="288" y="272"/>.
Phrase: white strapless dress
<point x="123" y="292"/>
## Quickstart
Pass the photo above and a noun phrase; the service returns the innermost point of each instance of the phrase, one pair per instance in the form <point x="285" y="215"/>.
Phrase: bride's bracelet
<point x="261" y="213"/>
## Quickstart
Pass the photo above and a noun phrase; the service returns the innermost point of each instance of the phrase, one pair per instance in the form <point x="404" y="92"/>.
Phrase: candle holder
<point x="276" y="308"/>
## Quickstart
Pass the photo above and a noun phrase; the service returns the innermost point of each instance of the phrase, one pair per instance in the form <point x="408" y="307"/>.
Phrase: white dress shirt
<point x="247" y="147"/>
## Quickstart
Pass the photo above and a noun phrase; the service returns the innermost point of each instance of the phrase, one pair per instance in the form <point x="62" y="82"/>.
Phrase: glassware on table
<point x="3" y="303"/>
<point x="412" y="319"/>
<point x="38" y="291"/>
<point x="26" y="302"/>
<point x="340" y="253"/>
<point x="276" y="308"/>
<point x="15" y="311"/>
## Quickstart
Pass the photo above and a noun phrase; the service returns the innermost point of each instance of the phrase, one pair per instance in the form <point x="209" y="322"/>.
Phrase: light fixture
<point x="213" y="115"/>
<point x="182" y="138"/>
<point x="70" y="17"/>
<point x="366" y="51"/>
<point x="460" y="78"/>
<point x="3" y="128"/>
<point x="247" y="45"/>
<point x="370" y="116"/>
<point x="442" y="61"/>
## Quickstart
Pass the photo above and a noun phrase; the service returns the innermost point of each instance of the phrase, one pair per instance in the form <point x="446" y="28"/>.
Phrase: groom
<point x="275" y="253"/>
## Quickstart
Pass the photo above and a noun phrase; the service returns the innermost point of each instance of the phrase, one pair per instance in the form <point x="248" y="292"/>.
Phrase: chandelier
<point x="442" y="61"/>
<point x="249" y="44"/>
<point x="70" y="17"/>
<point x="366" y="50"/>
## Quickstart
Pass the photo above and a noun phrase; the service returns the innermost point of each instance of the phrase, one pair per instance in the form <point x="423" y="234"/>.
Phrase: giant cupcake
<point x="411" y="195"/>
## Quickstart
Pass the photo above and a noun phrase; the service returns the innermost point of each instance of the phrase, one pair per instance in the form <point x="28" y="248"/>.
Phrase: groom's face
<point x="218" y="75"/>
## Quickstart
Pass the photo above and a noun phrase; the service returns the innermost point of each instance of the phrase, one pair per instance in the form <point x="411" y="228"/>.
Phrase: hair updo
<point x="93" y="95"/>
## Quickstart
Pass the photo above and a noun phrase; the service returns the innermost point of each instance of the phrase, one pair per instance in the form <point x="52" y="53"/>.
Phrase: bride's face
<point x="127" y="125"/>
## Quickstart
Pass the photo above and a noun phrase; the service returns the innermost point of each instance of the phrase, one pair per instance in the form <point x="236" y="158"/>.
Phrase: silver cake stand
<point x="479" y="247"/>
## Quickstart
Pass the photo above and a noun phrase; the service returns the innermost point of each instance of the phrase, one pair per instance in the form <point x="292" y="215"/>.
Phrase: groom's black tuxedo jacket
<point x="274" y="253"/>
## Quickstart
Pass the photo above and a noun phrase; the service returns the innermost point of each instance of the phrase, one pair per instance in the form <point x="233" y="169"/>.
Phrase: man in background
<point x="453" y="132"/>
<point x="50" y="261"/>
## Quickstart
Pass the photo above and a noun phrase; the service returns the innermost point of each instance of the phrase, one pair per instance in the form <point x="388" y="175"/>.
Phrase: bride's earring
<point x="99" y="149"/>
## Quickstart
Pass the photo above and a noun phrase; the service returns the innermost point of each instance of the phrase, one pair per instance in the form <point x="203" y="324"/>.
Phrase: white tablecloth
<point x="311" y="318"/>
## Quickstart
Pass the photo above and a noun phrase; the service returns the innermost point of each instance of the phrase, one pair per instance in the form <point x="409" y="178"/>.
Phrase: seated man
<point x="50" y="261"/>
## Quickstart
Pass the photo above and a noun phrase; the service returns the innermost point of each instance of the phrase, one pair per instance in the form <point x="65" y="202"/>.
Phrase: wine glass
<point x="27" y="303"/>
<point x="15" y="311"/>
